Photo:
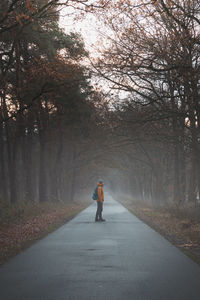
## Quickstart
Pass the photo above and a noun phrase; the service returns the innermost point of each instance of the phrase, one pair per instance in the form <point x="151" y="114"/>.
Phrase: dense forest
<point x="60" y="132"/>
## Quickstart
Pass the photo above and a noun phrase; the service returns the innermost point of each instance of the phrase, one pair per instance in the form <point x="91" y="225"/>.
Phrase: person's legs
<point x="100" y="210"/>
<point x="98" y="213"/>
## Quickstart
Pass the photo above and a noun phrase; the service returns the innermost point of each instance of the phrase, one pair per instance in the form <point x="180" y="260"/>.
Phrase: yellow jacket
<point x="100" y="192"/>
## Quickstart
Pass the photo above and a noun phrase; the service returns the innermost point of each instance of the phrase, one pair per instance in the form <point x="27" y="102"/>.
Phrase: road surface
<point x="121" y="259"/>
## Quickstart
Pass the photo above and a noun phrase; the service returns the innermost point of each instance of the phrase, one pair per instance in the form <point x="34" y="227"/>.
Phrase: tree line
<point x="153" y="56"/>
<point x="59" y="134"/>
<point x="46" y="104"/>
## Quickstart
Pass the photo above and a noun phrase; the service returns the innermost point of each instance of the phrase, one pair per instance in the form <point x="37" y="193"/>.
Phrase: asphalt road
<point x="121" y="259"/>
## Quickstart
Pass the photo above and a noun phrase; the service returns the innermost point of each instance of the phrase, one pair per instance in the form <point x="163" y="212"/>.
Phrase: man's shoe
<point x="96" y="220"/>
<point x="102" y="220"/>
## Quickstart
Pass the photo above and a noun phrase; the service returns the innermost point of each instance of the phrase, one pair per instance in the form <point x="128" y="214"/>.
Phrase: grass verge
<point x="22" y="225"/>
<point x="180" y="226"/>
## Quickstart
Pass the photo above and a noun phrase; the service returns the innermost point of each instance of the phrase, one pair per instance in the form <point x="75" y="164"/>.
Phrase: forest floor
<point x="24" y="224"/>
<point x="180" y="226"/>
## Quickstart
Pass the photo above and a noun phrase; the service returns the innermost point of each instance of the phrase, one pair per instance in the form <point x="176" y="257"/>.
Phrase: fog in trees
<point x="60" y="133"/>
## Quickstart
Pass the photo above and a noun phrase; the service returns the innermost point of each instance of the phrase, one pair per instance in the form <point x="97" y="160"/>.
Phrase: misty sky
<point x="87" y="27"/>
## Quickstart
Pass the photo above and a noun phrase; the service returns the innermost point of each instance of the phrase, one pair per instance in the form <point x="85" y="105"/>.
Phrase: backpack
<point x="95" y="193"/>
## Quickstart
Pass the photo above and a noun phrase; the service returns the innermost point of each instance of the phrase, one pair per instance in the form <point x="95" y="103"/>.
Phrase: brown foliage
<point x="180" y="226"/>
<point x="21" y="228"/>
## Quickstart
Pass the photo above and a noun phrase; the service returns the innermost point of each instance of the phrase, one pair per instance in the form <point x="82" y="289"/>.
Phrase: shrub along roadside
<point x="21" y="226"/>
<point x="180" y="226"/>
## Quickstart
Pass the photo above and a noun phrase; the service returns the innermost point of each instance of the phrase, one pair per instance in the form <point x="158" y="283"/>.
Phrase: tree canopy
<point x="59" y="131"/>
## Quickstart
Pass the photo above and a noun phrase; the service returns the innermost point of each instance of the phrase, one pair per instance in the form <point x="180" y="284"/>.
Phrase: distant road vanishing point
<point x="120" y="259"/>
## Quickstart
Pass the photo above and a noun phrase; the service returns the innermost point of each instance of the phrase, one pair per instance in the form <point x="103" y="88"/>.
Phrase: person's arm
<point x="102" y="194"/>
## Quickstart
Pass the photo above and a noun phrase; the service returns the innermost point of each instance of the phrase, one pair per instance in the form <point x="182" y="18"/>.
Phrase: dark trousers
<point x="99" y="210"/>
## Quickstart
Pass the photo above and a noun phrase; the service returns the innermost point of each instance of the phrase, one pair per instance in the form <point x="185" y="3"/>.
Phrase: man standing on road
<point x="100" y="200"/>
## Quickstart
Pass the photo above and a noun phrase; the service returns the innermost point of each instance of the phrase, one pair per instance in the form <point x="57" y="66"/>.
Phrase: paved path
<point x="121" y="259"/>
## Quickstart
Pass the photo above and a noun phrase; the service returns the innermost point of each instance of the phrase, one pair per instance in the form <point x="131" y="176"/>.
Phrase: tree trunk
<point x="73" y="173"/>
<point x="3" y="175"/>
<point x="42" y="171"/>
